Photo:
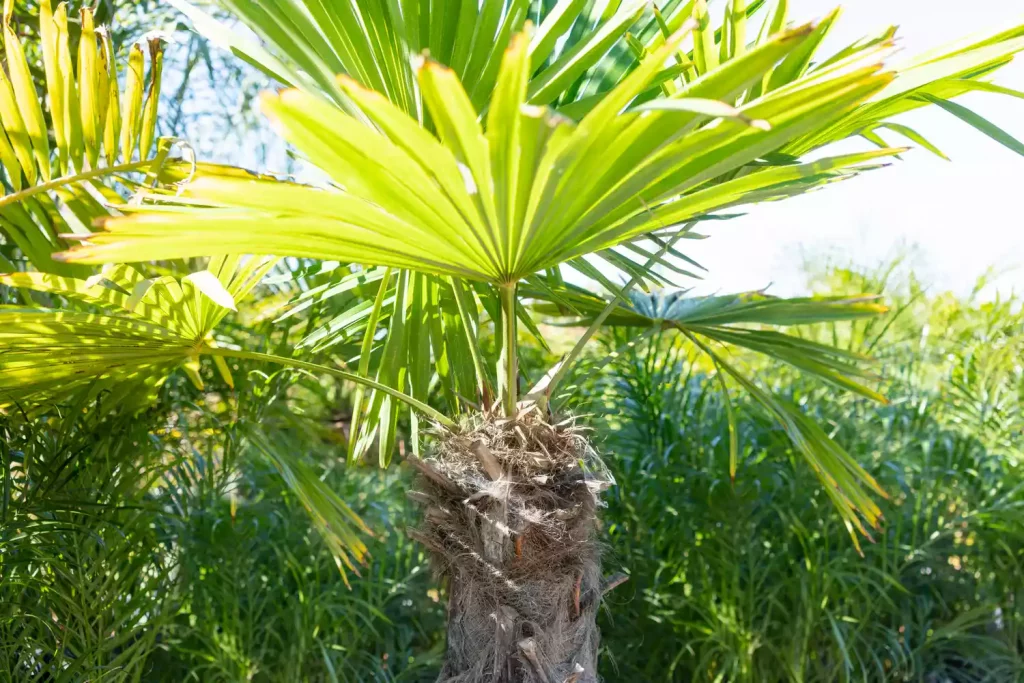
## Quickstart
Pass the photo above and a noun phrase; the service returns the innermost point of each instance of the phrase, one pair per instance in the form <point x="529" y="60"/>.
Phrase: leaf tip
<point x="349" y="84"/>
<point x="269" y="100"/>
<point x="425" y="63"/>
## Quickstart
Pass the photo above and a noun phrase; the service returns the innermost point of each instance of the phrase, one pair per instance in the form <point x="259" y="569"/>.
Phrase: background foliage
<point x="178" y="552"/>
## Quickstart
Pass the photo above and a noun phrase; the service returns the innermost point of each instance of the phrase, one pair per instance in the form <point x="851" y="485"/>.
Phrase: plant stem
<point x="341" y="374"/>
<point x="68" y="179"/>
<point x="509" y="356"/>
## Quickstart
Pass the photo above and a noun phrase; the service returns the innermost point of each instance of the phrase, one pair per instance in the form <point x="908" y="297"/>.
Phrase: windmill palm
<point x="471" y="161"/>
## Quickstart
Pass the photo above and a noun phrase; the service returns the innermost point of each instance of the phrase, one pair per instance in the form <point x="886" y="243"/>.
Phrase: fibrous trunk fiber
<point x="511" y="521"/>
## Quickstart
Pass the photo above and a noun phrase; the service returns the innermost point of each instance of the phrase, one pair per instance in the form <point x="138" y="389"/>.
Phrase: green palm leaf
<point x="455" y="205"/>
<point x="498" y="195"/>
<point x="146" y="328"/>
<point x="745" y="321"/>
<point x="96" y="127"/>
<point x="304" y="44"/>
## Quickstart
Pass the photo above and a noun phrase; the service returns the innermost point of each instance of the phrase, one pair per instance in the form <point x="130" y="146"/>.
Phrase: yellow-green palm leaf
<point x="100" y="131"/>
<point x="139" y="329"/>
<point x="524" y="191"/>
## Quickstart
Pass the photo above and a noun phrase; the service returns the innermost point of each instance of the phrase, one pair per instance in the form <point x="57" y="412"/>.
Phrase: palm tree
<point x="475" y="156"/>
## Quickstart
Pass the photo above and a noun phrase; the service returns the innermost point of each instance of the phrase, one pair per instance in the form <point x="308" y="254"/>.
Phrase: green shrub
<point x="757" y="581"/>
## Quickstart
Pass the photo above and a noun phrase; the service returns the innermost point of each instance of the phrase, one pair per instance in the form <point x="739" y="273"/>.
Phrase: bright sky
<point x="961" y="217"/>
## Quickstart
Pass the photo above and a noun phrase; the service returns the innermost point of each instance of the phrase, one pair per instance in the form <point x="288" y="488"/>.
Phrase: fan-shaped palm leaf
<point x="504" y="201"/>
<point x="305" y="44"/>
<point x="98" y="129"/>
<point x="504" y="192"/>
<point x="147" y="327"/>
<point x="745" y="321"/>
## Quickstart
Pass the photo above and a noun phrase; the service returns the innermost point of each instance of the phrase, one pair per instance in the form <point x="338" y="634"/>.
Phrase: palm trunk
<point x="511" y="523"/>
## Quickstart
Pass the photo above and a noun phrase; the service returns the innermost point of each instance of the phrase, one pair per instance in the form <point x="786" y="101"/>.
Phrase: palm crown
<point x="472" y="157"/>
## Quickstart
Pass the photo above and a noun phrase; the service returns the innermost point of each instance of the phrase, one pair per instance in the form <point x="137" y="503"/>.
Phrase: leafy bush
<point x="757" y="581"/>
<point x="165" y="547"/>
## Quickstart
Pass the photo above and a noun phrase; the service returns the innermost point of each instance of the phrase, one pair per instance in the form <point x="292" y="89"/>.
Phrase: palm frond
<point x="713" y="324"/>
<point x="304" y="44"/>
<point x="100" y="132"/>
<point x="517" y="204"/>
<point x="338" y="525"/>
<point x="144" y="328"/>
<point x="503" y="188"/>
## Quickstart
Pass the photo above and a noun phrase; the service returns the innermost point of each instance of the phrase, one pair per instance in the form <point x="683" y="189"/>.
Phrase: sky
<point x="955" y="219"/>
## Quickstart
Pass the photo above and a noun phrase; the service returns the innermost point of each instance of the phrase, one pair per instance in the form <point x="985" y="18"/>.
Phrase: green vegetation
<point x="186" y="440"/>
<point x="756" y="582"/>
<point x="216" y="571"/>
